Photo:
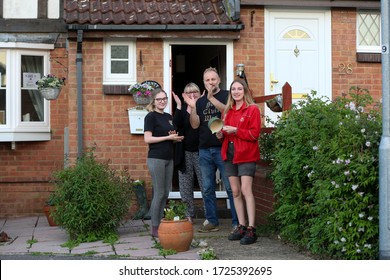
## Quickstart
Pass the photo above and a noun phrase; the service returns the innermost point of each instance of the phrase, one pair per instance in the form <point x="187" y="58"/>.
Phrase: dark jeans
<point x="210" y="160"/>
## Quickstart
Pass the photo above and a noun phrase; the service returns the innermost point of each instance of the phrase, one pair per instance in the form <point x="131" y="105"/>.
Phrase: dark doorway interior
<point x="188" y="64"/>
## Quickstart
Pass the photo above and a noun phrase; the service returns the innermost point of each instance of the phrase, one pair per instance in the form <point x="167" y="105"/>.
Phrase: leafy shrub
<point x="325" y="174"/>
<point x="91" y="198"/>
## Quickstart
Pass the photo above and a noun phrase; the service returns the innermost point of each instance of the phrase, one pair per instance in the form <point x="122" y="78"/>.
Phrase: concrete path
<point x="32" y="237"/>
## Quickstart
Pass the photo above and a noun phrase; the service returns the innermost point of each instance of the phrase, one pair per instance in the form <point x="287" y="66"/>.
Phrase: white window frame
<point x="119" y="79"/>
<point x="368" y="49"/>
<point x="15" y="129"/>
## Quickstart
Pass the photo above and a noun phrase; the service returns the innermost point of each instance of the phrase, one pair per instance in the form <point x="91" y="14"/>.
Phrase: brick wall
<point x="248" y="49"/>
<point x="365" y="75"/>
<point x="263" y="192"/>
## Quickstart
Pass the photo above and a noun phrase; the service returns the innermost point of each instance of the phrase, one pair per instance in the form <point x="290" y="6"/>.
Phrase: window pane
<point x="120" y="52"/>
<point x="32" y="106"/>
<point x="2" y="107"/>
<point x="369" y="29"/>
<point x="119" y="67"/>
<point x="32" y="101"/>
<point x="3" y="64"/>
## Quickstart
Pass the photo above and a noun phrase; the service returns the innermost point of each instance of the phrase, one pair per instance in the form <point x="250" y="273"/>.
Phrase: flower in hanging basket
<point x="50" y="81"/>
<point x="141" y="90"/>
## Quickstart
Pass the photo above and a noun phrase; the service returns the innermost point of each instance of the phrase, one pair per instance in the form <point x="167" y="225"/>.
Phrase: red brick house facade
<point x="26" y="166"/>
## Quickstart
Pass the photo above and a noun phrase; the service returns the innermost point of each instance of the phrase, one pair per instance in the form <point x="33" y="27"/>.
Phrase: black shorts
<point x="240" y="169"/>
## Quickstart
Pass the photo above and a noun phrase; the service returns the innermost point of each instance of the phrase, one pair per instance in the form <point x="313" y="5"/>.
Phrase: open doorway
<point x="188" y="61"/>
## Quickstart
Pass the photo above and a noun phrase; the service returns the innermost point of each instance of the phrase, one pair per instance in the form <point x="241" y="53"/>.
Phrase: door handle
<point x="273" y="81"/>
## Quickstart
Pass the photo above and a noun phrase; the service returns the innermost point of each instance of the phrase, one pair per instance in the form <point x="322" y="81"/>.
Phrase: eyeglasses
<point x="161" y="99"/>
<point x="192" y="92"/>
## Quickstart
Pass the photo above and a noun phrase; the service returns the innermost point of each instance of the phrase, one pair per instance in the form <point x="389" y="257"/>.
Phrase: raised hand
<point x="177" y="100"/>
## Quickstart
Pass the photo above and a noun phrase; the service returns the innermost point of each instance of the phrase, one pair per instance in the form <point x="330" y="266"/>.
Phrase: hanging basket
<point x="141" y="100"/>
<point x="50" y="93"/>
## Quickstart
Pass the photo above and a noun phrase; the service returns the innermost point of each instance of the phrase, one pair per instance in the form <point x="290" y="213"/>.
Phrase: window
<point x="24" y="113"/>
<point x="369" y="31"/>
<point x="119" y="62"/>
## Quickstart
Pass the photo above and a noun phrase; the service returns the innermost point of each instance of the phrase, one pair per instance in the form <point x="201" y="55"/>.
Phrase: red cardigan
<point x="248" y="122"/>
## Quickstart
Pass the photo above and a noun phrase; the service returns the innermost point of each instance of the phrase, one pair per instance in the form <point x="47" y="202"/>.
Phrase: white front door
<point x="297" y="51"/>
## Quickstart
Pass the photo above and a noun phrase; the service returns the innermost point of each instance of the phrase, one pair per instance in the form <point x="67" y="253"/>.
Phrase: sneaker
<point x="237" y="233"/>
<point x="205" y="223"/>
<point x="209" y="228"/>
<point x="250" y="236"/>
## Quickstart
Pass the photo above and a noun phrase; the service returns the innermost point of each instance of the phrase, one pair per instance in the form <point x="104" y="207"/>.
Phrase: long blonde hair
<point x="247" y="95"/>
<point x="151" y="106"/>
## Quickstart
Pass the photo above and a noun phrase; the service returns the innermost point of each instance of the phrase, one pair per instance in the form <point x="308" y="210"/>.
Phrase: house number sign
<point x="345" y="69"/>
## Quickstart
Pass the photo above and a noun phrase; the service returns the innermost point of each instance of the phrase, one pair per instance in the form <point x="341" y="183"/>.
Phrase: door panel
<point x="298" y="46"/>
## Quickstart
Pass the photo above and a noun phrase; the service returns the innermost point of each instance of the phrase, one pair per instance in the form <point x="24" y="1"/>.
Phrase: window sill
<point x="369" y="57"/>
<point x="24" y="136"/>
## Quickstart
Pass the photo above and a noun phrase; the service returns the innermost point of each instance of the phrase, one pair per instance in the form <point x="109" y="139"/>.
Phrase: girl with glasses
<point x="160" y="134"/>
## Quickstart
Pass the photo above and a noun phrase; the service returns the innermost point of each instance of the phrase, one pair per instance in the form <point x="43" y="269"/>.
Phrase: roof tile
<point x="155" y="12"/>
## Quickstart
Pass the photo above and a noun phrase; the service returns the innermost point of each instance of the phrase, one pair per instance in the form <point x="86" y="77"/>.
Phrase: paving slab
<point x="135" y="242"/>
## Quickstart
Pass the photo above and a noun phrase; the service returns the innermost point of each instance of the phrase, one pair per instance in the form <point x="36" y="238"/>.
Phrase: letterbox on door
<point x="136" y="119"/>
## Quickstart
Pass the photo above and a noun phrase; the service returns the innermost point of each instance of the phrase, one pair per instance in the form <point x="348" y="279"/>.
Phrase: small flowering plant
<point x="138" y="183"/>
<point x="176" y="211"/>
<point x="141" y="90"/>
<point x="50" y="81"/>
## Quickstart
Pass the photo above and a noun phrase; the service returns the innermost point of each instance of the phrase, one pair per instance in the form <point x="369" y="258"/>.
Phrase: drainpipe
<point x="384" y="147"/>
<point x="79" y="77"/>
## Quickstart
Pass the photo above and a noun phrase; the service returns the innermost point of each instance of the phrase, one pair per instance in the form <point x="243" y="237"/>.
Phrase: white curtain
<point x="34" y="64"/>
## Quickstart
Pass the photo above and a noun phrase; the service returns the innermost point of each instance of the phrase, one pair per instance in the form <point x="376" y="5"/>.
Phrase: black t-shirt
<point x="160" y="125"/>
<point x="206" y="110"/>
<point x="181" y="119"/>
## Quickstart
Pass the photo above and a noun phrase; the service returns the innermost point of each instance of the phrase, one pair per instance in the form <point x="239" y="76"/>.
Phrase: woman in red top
<point x="240" y="151"/>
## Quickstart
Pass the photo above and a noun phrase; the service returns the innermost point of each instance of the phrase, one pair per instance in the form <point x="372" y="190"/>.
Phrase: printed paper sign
<point x="30" y="79"/>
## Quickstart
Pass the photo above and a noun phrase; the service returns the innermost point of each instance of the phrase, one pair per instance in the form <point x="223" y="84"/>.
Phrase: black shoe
<point x="250" y="236"/>
<point x="237" y="233"/>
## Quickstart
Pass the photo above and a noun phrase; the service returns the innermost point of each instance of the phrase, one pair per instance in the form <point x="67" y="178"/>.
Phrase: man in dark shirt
<point x="206" y="107"/>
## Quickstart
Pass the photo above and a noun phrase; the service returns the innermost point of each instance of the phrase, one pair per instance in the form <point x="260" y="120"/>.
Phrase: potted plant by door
<point x="175" y="230"/>
<point x="49" y="209"/>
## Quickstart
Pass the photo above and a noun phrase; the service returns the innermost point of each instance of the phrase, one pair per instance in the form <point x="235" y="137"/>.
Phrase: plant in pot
<point x="140" y="192"/>
<point x="175" y="230"/>
<point x="50" y="86"/>
<point x="49" y="208"/>
<point x="91" y="198"/>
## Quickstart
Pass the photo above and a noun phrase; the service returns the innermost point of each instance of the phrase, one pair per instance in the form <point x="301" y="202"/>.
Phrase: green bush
<point x="91" y="198"/>
<point x="326" y="175"/>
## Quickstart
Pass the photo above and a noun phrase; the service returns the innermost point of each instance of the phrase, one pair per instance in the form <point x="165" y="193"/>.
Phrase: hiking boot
<point x="237" y="233"/>
<point x="250" y="236"/>
<point x="209" y="228"/>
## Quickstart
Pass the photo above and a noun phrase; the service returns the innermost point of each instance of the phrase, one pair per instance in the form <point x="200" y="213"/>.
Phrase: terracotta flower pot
<point x="48" y="209"/>
<point x="176" y="235"/>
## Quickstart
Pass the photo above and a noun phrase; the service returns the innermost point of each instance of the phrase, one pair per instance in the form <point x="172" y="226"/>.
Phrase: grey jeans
<point x="161" y="172"/>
